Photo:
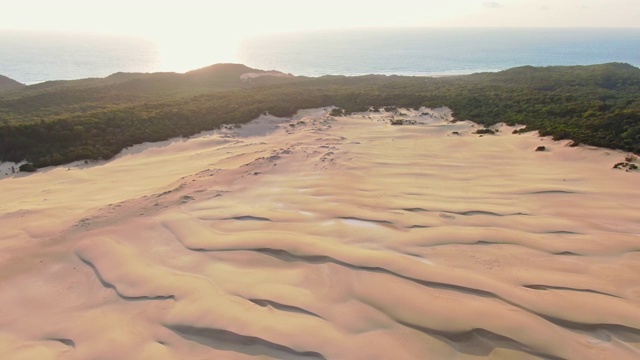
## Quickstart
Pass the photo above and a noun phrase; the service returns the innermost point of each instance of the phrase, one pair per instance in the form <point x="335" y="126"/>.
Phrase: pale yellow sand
<point x="315" y="237"/>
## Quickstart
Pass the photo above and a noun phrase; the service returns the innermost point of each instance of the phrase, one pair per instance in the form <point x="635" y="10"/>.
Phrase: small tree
<point x="484" y="132"/>
<point x="28" y="167"/>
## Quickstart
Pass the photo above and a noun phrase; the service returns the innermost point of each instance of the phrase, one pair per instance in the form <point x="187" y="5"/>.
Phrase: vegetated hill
<point x="606" y="75"/>
<point x="596" y="105"/>
<point x="9" y="84"/>
<point x="53" y="99"/>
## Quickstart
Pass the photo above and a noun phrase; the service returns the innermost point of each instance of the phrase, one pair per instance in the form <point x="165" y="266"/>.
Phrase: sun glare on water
<point x="181" y="54"/>
<point x="204" y="33"/>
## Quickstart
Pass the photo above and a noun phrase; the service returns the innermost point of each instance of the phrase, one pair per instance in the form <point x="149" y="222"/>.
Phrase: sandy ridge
<point x="326" y="238"/>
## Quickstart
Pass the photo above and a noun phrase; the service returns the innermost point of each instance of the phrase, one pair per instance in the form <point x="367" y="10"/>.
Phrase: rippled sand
<point x="323" y="238"/>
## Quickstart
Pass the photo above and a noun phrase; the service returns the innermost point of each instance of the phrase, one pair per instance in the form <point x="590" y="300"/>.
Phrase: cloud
<point x="492" y="4"/>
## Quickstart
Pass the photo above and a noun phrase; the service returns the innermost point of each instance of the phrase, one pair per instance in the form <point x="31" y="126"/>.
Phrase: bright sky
<point x="187" y="25"/>
<point x="228" y="17"/>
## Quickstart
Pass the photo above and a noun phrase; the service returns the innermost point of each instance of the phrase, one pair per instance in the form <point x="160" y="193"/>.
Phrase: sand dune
<point x="326" y="238"/>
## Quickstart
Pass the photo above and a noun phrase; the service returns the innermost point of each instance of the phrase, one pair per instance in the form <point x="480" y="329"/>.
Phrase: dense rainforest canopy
<point x="62" y="121"/>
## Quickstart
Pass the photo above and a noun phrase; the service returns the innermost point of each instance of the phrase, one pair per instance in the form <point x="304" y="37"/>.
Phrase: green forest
<point x="59" y="122"/>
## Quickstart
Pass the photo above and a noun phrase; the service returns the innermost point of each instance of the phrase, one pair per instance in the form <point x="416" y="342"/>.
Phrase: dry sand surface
<point x="326" y="238"/>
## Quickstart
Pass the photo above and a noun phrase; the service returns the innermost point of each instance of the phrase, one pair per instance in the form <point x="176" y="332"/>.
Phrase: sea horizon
<point x="34" y="57"/>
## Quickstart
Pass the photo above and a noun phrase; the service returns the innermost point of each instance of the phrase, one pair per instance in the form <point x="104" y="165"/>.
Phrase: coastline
<point x="413" y="52"/>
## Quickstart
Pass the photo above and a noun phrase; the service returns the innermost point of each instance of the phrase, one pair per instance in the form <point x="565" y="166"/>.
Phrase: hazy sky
<point x="158" y="18"/>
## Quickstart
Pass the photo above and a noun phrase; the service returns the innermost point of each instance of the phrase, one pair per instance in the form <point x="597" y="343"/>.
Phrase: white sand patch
<point x="9" y="169"/>
<point x="254" y="75"/>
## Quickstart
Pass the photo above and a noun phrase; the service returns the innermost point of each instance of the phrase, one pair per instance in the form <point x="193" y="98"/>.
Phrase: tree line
<point x="596" y="105"/>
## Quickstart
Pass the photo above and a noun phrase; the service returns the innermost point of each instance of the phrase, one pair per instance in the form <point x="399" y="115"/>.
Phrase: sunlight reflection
<point x="182" y="54"/>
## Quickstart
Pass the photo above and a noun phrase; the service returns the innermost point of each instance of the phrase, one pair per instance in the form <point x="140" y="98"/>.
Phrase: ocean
<point x="31" y="57"/>
<point x="34" y="57"/>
